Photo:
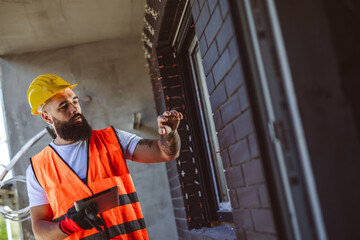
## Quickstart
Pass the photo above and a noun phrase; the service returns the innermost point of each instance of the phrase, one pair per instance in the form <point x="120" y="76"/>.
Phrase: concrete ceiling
<point x="35" y="25"/>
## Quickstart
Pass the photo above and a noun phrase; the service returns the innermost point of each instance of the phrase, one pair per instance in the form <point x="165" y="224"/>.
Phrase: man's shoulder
<point x="29" y="171"/>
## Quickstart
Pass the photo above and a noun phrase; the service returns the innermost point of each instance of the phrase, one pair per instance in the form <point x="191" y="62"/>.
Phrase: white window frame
<point x="207" y="121"/>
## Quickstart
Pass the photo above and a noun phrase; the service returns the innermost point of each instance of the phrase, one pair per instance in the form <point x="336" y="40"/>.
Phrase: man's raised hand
<point x="168" y="122"/>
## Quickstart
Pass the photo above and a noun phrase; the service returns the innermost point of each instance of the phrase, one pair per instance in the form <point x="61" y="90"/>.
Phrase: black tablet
<point x="105" y="200"/>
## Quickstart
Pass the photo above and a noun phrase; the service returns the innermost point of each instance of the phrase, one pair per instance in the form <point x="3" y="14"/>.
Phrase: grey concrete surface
<point x="34" y="25"/>
<point x="114" y="75"/>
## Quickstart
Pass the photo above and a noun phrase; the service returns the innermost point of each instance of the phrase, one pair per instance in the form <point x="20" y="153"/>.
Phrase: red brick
<point x="224" y="8"/>
<point x="233" y="199"/>
<point x="234" y="79"/>
<point x="225" y="34"/>
<point x="178" y="202"/>
<point x="213" y="26"/>
<point x="212" y="4"/>
<point x="202" y="21"/>
<point x="170" y="165"/>
<point x="263" y="220"/>
<point x="176" y="192"/>
<point x="180" y="212"/>
<point x="233" y="50"/>
<point x="218" y="120"/>
<point x="226" y="136"/>
<point x="248" y="197"/>
<point x="264" y="195"/>
<point x="203" y="46"/>
<point x="253" y="172"/>
<point x="222" y="67"/>
<point x="242" y="219"/>
<point x="243" y="96"/>
<point x="217" y="97"/>
<point x="201" y="3"/>
<point x="225" y="159"/>
<point x="195" y="10"/>
<point x="239" y="152"/>
<point x="243" y="125"/>
<point x="254" y="149"/>
<point x="210" y="82"/>
<point x="230" y="109"/>
<point x="175" y="181"/>
<point x="210" y="58"/>
<point x="234" y="177"/>
<point x="172" y="169"/>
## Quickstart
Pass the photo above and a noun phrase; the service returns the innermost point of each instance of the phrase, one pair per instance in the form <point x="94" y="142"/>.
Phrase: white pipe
<point x="8" y="229"/>
<point x="24" y="148"/>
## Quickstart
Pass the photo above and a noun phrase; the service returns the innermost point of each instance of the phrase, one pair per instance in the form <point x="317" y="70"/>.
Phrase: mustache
<point x="75" y="116"/>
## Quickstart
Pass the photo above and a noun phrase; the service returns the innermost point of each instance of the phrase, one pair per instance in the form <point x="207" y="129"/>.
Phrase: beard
<point x="73" y="130"/>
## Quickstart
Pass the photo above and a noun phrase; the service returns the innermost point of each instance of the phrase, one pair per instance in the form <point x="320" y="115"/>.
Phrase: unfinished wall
<point x="113" y="74"/>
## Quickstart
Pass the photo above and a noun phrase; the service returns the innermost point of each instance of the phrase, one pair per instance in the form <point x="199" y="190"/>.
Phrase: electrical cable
<point x="24" y="213"/>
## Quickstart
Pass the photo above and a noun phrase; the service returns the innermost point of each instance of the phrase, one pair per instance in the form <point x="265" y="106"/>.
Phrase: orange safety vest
<point x="106" y="168"/>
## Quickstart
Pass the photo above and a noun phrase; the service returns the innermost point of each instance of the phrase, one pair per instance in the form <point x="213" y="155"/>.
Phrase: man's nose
<point x="73" y="108"/>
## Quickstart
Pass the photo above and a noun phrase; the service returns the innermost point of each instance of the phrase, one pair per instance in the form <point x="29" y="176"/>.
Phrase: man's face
<point x="64" y="113"/>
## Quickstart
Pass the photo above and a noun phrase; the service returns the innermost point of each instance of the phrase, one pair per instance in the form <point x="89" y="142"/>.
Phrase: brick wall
<point x="244" y="174"/>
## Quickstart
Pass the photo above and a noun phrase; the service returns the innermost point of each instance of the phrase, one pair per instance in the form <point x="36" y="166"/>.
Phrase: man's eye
<point x="63" y="106"/>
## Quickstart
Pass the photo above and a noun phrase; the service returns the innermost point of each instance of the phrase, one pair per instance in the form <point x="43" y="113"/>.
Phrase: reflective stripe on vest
<point x="106" y="167"/>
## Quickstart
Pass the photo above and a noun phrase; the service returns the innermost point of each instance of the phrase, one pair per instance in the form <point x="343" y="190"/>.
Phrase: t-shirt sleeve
<point x="128" y="142"/>
<point x="36" y="193"/>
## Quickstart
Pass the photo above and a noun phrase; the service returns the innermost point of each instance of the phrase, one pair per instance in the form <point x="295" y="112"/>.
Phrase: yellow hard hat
<point x="43" y="88"/>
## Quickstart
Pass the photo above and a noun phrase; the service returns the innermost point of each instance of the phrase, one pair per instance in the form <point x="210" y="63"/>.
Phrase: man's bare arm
<point x="167" y="147"/>
<point x="41" y="223"/>
<point x="170" y="144"/>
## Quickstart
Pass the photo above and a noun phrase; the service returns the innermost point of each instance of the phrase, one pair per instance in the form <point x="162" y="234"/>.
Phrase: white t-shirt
<point x="75" y="155"/>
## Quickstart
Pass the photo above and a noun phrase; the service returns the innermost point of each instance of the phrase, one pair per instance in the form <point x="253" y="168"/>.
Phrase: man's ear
<point x="46" y="117"/>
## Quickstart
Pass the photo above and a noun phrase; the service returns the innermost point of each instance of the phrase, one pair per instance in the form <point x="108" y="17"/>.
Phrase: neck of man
<point x="59" y="141"/>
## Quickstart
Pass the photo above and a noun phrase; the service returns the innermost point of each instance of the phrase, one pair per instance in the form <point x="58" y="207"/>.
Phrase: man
<point x="81" y="162"/>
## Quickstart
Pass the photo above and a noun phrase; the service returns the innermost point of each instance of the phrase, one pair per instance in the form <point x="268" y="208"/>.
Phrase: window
<point x="206" y="146"/>
<point x="211" y="141"/>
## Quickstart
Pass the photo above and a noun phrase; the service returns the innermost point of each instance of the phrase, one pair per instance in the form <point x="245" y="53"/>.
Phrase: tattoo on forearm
<point x="146" y="142"/>
<point x="170" y="143"/>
